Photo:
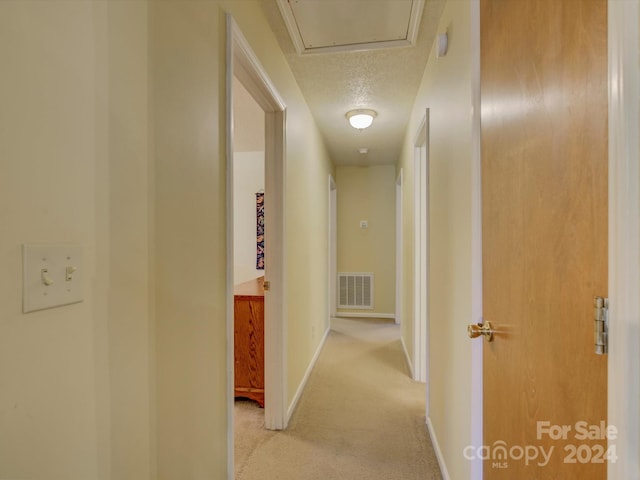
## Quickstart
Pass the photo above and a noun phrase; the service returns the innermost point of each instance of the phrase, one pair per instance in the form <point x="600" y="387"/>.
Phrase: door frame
<point x="399" y="246"/>
<point x="333" y="247"/>
<point x="623" y="232"/>
<point x="242" y="63"/>
<point x="476" y="397"/>
<point x="421" y="254"/>
<point x="624" y="235"/>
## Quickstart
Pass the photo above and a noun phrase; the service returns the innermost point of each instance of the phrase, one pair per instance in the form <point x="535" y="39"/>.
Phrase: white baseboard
<point x="407" y="357"/>
<point x="436" y="448"/>
<point x="365" y="315"/>
<point x="303" y="383"/>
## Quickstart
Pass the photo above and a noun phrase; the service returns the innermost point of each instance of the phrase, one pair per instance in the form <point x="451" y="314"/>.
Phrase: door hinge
<point x="601" y="324"/>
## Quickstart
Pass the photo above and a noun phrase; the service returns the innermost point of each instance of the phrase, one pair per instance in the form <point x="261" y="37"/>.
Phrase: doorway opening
<point x="399" y="249"/>
<point x="243" y="67"/>
<point x="248" y="269"/>
<point x="333" y="246"/>
<point x="421" y="254"/>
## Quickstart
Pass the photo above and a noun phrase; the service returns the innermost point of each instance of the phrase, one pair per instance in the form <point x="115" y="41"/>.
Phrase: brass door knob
<point x="477" y="329"/>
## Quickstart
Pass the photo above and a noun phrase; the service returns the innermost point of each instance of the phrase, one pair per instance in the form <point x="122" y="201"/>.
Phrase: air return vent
<point x="355" y="290"/>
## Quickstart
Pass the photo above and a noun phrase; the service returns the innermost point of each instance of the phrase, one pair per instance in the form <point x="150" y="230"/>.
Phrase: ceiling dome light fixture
<point x="361" y="119"/>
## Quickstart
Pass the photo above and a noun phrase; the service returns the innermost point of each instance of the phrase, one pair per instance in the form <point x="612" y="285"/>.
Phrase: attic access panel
<point x="339" y="25"/>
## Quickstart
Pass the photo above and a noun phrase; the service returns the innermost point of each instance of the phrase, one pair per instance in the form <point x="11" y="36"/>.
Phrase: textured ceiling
<point x="385" y="80"/>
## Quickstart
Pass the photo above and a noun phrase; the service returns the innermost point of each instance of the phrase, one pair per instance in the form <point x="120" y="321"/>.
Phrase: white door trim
<point x="624" y="236"/>
<point x="399" y="245"/>
<point x="421" y="253"/>
<point x="476" y="398"/>
<point x="333" y="246"/>
<point x="242" y="63"/>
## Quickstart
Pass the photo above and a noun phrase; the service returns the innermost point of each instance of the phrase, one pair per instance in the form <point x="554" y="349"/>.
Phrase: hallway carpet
<point x="360" y="417"/>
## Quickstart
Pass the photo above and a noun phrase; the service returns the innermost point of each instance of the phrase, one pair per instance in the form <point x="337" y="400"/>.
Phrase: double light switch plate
<point x="52" y="275"/>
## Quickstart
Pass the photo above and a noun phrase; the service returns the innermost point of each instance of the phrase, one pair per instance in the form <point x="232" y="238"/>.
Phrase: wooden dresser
<point x="249" y="340"/>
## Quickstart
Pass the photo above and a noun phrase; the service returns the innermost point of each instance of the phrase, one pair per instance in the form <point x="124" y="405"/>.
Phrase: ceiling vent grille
<point x="355" y="290"/>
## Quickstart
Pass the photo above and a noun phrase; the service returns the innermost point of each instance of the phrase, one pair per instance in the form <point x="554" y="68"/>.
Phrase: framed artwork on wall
<point x="260" y="230"/>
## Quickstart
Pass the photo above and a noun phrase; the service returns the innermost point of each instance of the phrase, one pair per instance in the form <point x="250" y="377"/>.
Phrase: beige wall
<point x="49" y="161"/>
<point x="307" y="241"/>
<point x="112" y="132"/>
<point x="188" y="87"/>
<point x="130" y="232"/>
<point x="368" y="193"/>
<point x="446" y="91"/>
<point x="76" y="381"/>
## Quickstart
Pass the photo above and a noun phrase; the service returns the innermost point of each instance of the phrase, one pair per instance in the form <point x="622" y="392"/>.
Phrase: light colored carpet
<point x="360" y="417"/>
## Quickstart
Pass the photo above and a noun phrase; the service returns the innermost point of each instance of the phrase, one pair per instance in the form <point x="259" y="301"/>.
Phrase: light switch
<point x="52" y="276"/>
<point x="364" y="224"/>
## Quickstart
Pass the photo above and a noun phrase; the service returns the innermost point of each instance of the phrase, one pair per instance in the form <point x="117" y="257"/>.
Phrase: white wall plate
<point x="52" y="276"/>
